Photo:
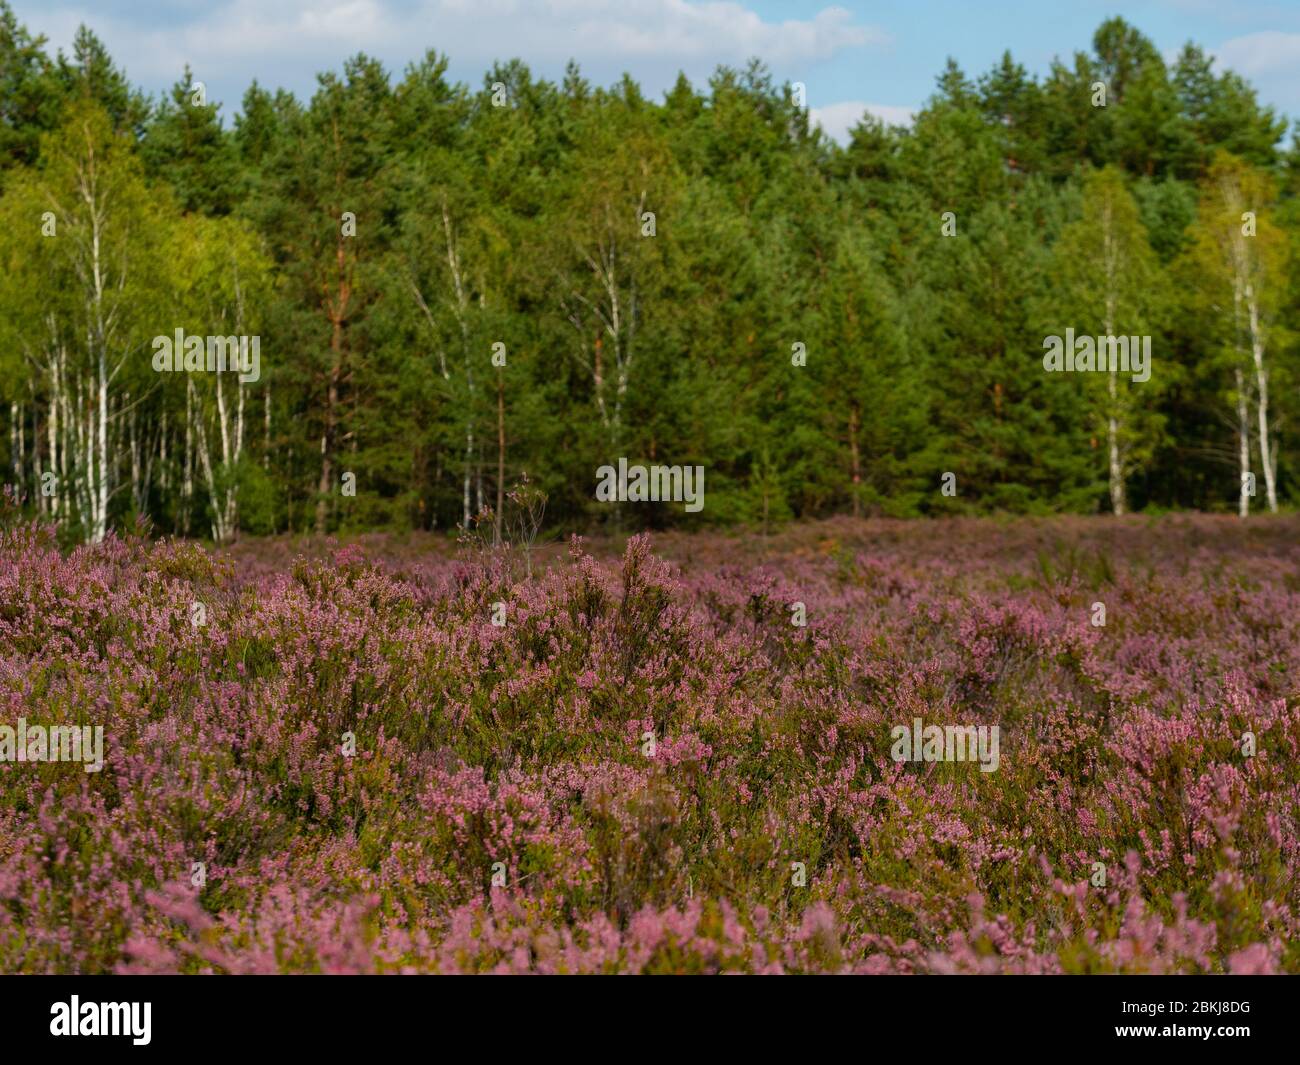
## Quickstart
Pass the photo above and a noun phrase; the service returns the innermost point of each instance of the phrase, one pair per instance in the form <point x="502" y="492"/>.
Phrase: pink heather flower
<point x="1254" y="960"/>
<point x="477" y="745"/>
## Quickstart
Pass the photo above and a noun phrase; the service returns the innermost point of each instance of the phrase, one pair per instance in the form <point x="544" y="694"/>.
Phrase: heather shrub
<point x="343" y="763"/>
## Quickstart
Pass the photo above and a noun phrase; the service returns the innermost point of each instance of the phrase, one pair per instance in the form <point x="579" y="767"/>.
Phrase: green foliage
<point x="646" y="269"/>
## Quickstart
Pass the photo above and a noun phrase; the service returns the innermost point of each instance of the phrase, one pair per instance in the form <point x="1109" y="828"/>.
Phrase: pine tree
<point x="185" y="145"/>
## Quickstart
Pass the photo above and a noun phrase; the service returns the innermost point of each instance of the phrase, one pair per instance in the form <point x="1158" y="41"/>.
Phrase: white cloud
<point x="1261" y="53"/>
<point x="836" y="120"/>
<point x="1271" y="62"/>
<point x="679" y="30"/>
<point x="652" y="39"/>
<point x="343" y="20"/>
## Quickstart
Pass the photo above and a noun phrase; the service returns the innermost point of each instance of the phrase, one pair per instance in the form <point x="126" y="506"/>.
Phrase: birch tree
<point x="225" y="281"/>
<point x="1239" y="262"/>
<point x="86" y="238"/>
<point x="1109" y="284"/>
<point x="451" y="292"/>
<point x="456" y="262"/>
<point x="612" y="251"/>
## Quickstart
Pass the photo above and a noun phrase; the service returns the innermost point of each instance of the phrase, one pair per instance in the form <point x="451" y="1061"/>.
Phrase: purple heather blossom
<point x="372" y="777"/>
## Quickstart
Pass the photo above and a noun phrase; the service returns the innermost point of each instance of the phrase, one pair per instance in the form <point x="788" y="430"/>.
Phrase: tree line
<point x="460" y="291"/>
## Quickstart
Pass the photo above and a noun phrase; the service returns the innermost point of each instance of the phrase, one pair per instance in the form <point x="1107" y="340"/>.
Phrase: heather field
<point x="401" y="755"/>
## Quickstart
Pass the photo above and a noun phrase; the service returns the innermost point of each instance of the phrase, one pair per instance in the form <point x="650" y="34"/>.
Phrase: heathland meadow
<point x="668" y="755"/>
<point x="459" y="517"/>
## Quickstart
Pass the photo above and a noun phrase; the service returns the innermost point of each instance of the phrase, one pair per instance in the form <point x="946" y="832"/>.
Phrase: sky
<point x="853" y="56"/>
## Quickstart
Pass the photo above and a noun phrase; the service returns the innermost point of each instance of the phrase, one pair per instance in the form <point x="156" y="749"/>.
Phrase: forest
<point x="930" y="602"/>
<point x="466" y="301"/>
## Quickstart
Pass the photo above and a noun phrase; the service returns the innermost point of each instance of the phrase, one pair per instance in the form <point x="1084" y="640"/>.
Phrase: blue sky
<point x="881" y="55"/>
